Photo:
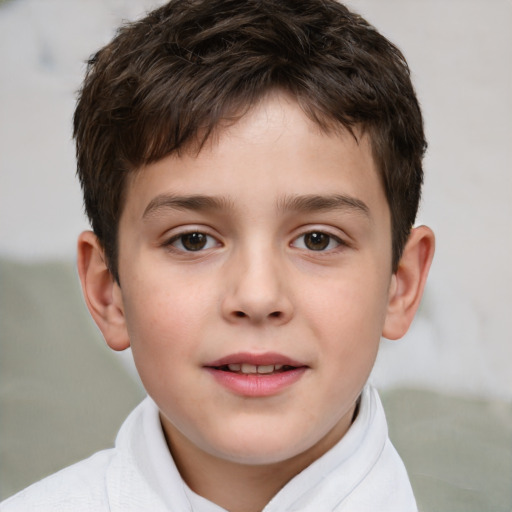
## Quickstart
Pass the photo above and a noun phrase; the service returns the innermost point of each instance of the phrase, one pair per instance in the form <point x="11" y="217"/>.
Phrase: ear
<point x="408" y="282"/>
<point x="102" y="294"/>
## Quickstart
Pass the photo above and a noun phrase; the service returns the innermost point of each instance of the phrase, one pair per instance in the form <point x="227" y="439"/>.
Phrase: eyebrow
<point x="193" y="202"/>
<point x="319" y="203"/>
<point x="302" y="203"/>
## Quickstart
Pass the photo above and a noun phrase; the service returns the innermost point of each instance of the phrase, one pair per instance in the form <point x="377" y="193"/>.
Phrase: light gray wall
<point x="460" y="53"/>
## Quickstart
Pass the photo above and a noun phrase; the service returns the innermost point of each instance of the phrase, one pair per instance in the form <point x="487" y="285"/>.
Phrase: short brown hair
<point x="168" y="80"/>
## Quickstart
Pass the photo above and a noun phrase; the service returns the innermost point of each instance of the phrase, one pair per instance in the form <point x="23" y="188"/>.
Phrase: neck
<point x="236" y="487"/>
<point x="241" y="487"/>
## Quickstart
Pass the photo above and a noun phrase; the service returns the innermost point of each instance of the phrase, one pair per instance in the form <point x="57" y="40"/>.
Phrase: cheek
<point x="349" y="305"/>
<point x="347" y="317"/>
<point x="162" y="323"/>
<point x="161" y="339"/>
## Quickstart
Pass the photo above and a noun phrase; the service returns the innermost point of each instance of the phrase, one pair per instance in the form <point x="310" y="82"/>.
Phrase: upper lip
<point x="267" y="358"/>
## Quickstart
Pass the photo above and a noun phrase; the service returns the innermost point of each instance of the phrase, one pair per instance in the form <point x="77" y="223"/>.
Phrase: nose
<point x="257" y="290"/>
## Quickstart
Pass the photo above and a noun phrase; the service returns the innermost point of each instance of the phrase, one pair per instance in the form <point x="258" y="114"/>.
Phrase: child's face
<point x="271" y="248"/>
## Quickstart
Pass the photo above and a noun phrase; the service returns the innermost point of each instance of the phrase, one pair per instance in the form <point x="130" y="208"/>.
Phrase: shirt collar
<point x="142" y="448"/>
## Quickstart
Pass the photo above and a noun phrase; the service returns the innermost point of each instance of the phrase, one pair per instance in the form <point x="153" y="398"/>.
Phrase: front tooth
<point x="248" y="368"/>
<point x="269" y="368"/>
<point x="234" y="367"/>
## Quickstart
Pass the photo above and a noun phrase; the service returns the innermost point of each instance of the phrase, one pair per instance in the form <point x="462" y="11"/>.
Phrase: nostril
<point x="240" y="314"/>
<point x="275" y="314"/>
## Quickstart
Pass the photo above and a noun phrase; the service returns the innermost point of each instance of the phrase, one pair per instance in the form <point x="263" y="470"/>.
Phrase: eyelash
<point x="330" y="239"/>
<point x="325" y="240"/>
<point x="179" y="238"/>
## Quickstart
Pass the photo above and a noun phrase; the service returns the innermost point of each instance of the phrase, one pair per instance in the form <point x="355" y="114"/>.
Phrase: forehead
<point x="271" y="151"/>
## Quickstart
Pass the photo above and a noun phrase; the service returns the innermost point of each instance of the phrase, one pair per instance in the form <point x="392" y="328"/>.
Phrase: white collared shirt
<point x="361" y="473"/>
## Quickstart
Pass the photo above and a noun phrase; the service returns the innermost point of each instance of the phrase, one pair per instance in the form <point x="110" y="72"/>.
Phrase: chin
<point x="261" y="449"/>
<point x="256" y="457"/>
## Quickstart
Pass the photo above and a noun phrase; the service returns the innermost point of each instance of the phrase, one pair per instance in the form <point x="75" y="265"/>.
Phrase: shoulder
<point x="384" y="483"/>
<point x="385" y="487"/>
<point x="89" y="485"/>
<point x="77" y="488"/>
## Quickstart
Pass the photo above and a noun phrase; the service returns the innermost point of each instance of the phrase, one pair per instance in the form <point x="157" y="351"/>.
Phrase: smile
<point x="249" y="369"/>
<point x="253" y="375"/>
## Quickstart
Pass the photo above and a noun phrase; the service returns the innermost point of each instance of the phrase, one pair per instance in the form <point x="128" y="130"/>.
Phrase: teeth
<point x="269" y="368"/>
<point x="249" y="368"/>
<point x="253" y="369"/>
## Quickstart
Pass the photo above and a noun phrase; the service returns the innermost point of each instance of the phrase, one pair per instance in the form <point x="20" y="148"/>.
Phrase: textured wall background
<point x="460" y="55"/>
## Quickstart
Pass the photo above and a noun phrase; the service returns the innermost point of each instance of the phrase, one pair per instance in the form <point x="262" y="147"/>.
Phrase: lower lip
<point x="257" y="384"/>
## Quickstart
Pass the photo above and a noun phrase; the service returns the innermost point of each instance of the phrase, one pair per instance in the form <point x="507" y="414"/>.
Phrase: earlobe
<point x="102" y="294"/>
<point x="408" y="282"/>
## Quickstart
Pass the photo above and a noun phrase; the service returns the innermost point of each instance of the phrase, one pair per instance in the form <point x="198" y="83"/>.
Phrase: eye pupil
<point x="194" y="241"/>
<point x="316" y="241"/>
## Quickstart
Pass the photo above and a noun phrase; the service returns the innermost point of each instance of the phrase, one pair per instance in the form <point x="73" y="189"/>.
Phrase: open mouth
<point x="252" y="369"/>
<point x="256" y="375"/>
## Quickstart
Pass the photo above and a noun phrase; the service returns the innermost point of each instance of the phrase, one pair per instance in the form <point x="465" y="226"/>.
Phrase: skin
<point x="257" y="286"/>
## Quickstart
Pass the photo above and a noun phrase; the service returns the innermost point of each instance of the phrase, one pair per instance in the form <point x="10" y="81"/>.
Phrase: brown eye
<point x="316" y="241"/>
<point x="194" y="241"/>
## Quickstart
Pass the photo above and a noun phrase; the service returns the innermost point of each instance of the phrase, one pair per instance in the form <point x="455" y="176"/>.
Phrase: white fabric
<point x="362" y="473"/>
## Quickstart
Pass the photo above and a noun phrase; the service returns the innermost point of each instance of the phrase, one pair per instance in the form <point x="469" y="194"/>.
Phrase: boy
<point x="252" y="172"/>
